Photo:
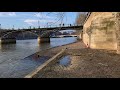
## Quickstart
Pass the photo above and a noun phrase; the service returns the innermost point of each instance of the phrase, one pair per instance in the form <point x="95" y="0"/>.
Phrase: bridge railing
<point x="49" y="26"/>
<point x="62" y="25"/>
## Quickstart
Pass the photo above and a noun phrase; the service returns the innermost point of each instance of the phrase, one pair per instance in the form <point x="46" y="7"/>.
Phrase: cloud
<point x="30" y="21"/>
<point x="12" y="14"/>
<point x="7" y="14"/>
<point x="34" y="21"/>
<point x="43" y="16"/>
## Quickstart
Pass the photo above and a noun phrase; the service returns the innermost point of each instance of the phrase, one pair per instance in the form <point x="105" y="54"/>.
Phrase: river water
<point x="13" y="57"/>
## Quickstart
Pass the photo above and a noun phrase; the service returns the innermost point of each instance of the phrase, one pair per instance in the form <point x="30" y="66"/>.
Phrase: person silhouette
<point x="87" y="45"/>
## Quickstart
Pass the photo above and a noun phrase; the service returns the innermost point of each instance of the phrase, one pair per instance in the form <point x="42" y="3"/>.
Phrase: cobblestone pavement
<point x="85" y="63"/>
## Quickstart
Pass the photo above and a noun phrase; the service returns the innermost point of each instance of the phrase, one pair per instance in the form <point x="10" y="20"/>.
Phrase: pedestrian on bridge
<point x="63" y="24"/>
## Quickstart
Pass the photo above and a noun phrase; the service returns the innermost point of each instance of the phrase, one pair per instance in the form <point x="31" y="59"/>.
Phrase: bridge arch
<point x="43" y="35"/>
<point x="6" y="35"/>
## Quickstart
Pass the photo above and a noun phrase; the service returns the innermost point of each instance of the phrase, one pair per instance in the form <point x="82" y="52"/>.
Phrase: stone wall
<point x="99" y="31"/>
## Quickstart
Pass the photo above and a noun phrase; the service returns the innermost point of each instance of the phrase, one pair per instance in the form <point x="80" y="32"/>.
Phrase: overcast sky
<point x="26" y="19"/>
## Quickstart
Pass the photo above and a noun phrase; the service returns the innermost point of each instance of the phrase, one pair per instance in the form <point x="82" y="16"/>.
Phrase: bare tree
<point x="58" y="17"/>
<point x="81" y="18"/>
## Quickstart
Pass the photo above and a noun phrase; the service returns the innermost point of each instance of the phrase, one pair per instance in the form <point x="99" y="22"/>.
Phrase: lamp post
<point x="38" y="24"/>
<point x="30" y="27"/>
<point x="0" y="26"/>
<point x="13" y="27"/>
<point x="47" y="25"/>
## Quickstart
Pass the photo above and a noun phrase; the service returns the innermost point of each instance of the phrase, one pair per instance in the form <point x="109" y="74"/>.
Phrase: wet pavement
<point x="85" y="63"/>
<point x="65" y="61"/>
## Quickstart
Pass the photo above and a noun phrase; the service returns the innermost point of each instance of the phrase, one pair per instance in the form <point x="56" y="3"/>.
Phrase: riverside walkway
<point x="83" y="63"/>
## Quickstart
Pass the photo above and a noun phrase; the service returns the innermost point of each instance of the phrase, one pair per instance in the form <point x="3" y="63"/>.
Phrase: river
<point x="12" y="56"/>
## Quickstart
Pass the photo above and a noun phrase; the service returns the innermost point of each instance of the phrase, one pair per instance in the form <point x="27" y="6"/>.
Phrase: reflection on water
<point x="7" y="47"/>
<point x="65" y="61"/>
<point x="43" y="46"/>
<point x="12" y="62"/>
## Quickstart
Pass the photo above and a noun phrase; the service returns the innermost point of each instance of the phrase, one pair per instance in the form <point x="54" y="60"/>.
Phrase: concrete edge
<point x="57" y="56"/>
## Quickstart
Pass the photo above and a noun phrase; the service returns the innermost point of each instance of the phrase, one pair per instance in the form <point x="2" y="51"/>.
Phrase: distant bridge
<point x="61" y="36"/>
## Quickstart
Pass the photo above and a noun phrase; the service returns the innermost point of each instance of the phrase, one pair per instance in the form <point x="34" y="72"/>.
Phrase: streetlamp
<point x="0" y="26"/>
<point x="47" y="25"/>
<point x="38" y="24"/>
<point x="30" y="27"/>
<point x="13" y="27"/>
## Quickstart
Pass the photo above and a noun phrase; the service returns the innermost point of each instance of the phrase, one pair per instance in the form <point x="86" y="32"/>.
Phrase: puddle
<point x="65" y="61"/>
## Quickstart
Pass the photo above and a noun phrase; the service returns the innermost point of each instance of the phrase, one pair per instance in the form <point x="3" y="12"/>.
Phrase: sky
<point x="34" y="19"/>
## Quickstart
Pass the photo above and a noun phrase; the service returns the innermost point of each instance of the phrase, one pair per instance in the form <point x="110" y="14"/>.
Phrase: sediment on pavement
<point x="48" y="62"/>
<point x="85" y="63"/>
<point x="51" y="52"/>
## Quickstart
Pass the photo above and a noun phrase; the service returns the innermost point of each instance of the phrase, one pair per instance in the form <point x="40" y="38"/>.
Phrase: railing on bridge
<point x="62" y="25"/>
<point x="57" y="26"/>
<point x="48" y="26"/>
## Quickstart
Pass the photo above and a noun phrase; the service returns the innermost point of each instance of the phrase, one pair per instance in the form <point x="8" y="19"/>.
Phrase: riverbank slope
<point x="85" y="63"/>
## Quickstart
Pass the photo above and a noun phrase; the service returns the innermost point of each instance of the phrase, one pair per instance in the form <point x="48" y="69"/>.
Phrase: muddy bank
<point x="84" y="63"/>
<point x="42" y="56"/>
